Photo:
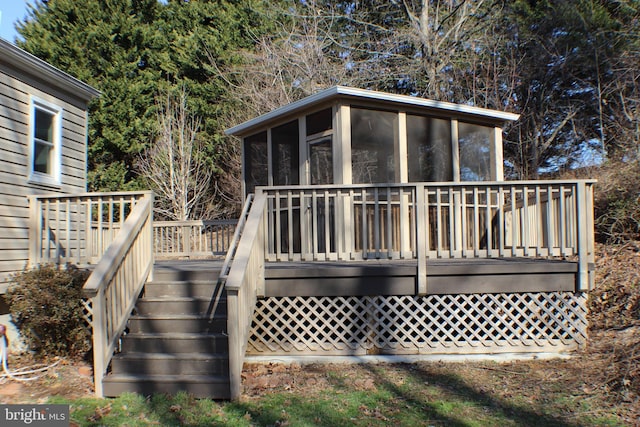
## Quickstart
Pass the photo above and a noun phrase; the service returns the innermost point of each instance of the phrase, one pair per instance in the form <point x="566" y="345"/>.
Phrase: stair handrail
<point x="233" y="246"/>
<point x="116" y="282"/>
<point x="245" y="277"/>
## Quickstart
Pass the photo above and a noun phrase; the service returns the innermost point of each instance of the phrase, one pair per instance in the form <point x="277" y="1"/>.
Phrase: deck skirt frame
<point x="432" y="324"/>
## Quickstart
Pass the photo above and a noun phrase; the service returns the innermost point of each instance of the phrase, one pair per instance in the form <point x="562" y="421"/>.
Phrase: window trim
<point x="54" y="178"/>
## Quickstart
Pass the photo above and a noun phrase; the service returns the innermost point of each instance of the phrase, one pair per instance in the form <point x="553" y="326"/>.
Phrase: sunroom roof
<point x="363" y="94"/>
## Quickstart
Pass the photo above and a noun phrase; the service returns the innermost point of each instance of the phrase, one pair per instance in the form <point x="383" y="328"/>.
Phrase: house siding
<point x="18" y="84"/>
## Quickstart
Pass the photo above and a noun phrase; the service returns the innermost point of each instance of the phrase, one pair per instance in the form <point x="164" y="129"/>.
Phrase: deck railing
<point x="76" y="228"/>
<point x="552" y="219"/>
<point x="245" y="278"/>
<point x="116" y="282"/>
<point x="192" y="239"/>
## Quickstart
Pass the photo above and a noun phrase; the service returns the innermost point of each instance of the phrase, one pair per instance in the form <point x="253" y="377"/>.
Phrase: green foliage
<point x="131" y="50"/>
<point x="46" y="306"/>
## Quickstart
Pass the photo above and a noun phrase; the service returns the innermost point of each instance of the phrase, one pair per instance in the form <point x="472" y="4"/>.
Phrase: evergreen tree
<point x="131" y="50"/>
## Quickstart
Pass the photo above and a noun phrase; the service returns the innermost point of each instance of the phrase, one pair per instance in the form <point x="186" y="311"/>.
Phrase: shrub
<point x="46" y="306"/>
<point x="617" y="202"/>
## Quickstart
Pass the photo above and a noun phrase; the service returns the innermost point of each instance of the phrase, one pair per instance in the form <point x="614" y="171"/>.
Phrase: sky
<point x="10" y="12"/>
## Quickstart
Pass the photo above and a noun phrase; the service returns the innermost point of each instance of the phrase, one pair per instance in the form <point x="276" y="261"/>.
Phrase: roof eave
<point x="355" y="93"/>
<point x="27" y="62"/>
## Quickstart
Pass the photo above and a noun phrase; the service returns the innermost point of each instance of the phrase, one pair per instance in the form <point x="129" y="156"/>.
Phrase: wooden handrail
<point x="245" y="277"/>
<point x="115" y="283"/>
<point x="108" y="265"/>
<point x="233" y="246"/>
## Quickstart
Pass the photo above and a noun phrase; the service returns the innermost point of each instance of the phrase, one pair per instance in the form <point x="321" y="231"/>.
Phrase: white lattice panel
<point x="87" y="314"/>
<point x="413" y="325"/>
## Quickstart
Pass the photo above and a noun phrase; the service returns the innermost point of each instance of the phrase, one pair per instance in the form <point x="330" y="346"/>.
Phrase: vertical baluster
<point x="406" y="225"/>
<point x="365" y="244"/>
<point x="77" y="221"/>
<point x="439" y="221"/>
<point x="550" y="222"/>
<point x="538" y="221"/>
<point x="464" y="223"/>
<point x="327" y="227"/>
<point x="290" y="224"/>
<point x="338" y="232"/>
<point x="57" y="237"/>
<point x="376" y="225"/>
<point x="351" y="233"/>
<point x="514" y="222"/>
<point x="390" y="227"/>
<point x="314" y="224"/>
<point x="501" y="218"/>
<point x="67" y="210"/>
<point x="525" y="219"/>
<point x="305" y="226"/>
<point x="278" y="223"/>
<point x="47" y="237"/>
<point x="562" y="221"/>
<point x="100" y="248"/>
<point x="454" y="223"/>
<point x="476" y="223"/>
<point x="422" y="235"/>
<point x="488" y="219"/>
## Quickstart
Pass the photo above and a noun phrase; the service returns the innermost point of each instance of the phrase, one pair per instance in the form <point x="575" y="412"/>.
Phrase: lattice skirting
<point x="475" y="323"/>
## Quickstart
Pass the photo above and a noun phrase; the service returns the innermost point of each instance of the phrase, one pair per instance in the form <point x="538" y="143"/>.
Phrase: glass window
<point x="284" y="143"/>
<point x="429" y="149"/>
<point x="373" y="138"/>
<point x="475" y="152"/>
<point x="45" y="145"/>
<point x="255" y="161"/>
<point x="321" y="161"/>
<point x="319" y="122"/>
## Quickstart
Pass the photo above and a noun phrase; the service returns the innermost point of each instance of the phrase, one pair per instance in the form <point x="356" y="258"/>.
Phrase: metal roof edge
<point x="285" y="109"/>
<point x="26" y="62"/>
<point x="371" y="95"/>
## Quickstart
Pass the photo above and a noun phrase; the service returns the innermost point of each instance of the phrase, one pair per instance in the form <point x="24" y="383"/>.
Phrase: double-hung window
<point x="45" y="146"/>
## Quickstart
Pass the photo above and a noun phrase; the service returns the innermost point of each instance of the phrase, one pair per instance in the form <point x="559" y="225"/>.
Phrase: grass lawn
<point x="531" y="393"/>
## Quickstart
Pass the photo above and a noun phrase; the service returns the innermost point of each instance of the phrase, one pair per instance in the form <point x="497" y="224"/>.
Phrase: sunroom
<point x="386" y="226"/>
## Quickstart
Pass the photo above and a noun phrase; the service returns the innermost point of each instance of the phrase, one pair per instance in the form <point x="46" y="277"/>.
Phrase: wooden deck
<point x="399" y="277"/>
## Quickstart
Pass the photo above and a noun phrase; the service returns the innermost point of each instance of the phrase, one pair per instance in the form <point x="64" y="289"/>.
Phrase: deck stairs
<point x="176" y="337"/>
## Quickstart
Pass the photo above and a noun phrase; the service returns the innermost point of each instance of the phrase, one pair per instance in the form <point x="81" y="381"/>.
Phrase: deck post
<point x="99" y="327"/>
<point x="582" y="231"/>
<point x="186" y="240"/>
<point x="236" y="357"/>
<point x="422" y="229"/>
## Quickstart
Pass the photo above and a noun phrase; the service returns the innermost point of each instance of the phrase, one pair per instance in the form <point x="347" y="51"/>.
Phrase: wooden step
<point x="175" y="343"/>
<point x="171" y="288"/>
<point x="176" y="339"/>
<point x="180" y="273"/>
<point x="132" y="363"/>
<point x="177" y="305"/>
<point x="201" y="386"/>
<point x="177" y="323"/>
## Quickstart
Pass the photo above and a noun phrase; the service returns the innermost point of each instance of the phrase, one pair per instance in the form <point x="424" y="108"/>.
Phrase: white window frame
<point x="53" y="178"/>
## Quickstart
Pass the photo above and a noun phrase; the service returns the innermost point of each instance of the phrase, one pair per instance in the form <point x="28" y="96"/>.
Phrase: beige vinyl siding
<point x="15" y="108"/>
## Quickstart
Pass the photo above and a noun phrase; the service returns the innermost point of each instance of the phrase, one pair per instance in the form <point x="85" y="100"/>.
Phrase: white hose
<point x="16" y="374"/>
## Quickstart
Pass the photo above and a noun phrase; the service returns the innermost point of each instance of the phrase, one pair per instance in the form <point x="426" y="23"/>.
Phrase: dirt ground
<point x="594" y="373"/>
